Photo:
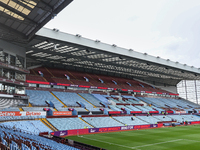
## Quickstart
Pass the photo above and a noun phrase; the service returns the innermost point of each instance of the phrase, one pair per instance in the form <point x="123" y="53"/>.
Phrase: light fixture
<point x="56" y="30"/>
<point x="78" y="35"/>
<point x="55" y="46"/>
<point x="168" y="59"/>
<point x="130" y="49"/>
<point x="97" y="41"/>
<point x="87" y="50"/>
<point x="145" y="54"/>
<point x="158" y="56"/>
<point x="114" y="45"/>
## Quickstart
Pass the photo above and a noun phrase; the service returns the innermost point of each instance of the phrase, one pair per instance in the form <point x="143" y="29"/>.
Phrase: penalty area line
<point x="156" y="143"/>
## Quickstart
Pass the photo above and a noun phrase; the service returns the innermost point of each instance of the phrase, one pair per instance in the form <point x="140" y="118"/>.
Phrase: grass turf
<point x="171" y="138"/>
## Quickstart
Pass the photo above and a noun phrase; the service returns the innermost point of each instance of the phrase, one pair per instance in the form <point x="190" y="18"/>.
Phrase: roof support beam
<point x="17" y="12"/>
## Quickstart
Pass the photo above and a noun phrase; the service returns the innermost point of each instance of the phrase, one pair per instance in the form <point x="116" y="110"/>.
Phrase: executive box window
<point x="1" y="55"/>
<point x="6" y="58"/>
<point x="12" y="60"/>
<point x="20" y="62"/>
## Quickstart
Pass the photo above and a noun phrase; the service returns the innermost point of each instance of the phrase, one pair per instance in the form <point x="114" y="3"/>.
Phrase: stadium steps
<point x="21" y="109"/>
<point x="58" y="99"/>
<point x="30" y="105"/>
<point x="87" y="100"/>
<point x="71" y="75"/>
<point x="104" y="82"/>
<point x="48" y="124"/>
<point x="86" y="122"/>
<point x="91" y="78"/>
<point x="142" y="119"/>
<point x="117" y="120"/>
<point x="34" y="72"/>
<point x="49" y="72"/>
<point x="45" y="79"/>
<point x="55" y="109"/>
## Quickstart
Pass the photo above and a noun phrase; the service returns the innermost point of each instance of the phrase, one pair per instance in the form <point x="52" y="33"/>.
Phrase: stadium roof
<point x="57" y="49"/>
<point x="21" y="19"/>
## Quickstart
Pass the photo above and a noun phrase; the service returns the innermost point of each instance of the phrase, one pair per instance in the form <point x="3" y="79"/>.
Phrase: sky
<point x="169" y="29"/>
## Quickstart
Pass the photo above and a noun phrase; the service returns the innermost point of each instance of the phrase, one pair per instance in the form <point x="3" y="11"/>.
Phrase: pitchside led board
<point x="23" y="113"/>
<point x="62" y="113"/>
<point x="101" y="130"/>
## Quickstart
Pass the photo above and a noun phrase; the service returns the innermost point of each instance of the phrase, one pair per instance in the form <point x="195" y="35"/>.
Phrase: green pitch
<point x="172" y="138"/>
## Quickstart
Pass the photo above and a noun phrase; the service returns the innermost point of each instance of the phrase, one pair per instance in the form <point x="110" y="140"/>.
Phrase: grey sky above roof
<point x="168" y="29"/>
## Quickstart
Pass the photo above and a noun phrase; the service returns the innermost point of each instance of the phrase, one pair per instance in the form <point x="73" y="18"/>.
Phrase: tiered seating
<point x="99" y="122"/>
<point x="191" y="118"/>
<point x="158" y="109"/>
<point x="132" y="101"/>
<point x="162" y="117"/>
<point x="101" y="98"/>
<point x="142" y="108"/>
<point x="79" y="78"/>
<point x="168" y="102"/>
<point x="116" y="100"/>
<point x="9" y="102"/>
<point x="10" y="109"/>
<point x="108" y="109"/>
<point x="28" y="140"/>
<point x="34" y="108"/>
<point x="128" y="120"/>
<point x="149" y="119"/>
<point x="132" y="108"/>
<point x="91" y="99"/>
<point x="38" y="98"/>
<point x="35" y="78"/>
<point x="80" y="109"/>
<point x="114" y="108"/>
<point x="47" y="75"/>
<point x="14" y="118"/>
<point x="57" y="75"/>
<point x="62" y="80"/>
<point x="70" y="99"/>
<point x="108" y="81"/>
<point x="35" y="126"/>
<point x="184" y="103"/>
<point x="94" y="109"/>
<point x="67" y="123"/>
<point x="94" y="80"/>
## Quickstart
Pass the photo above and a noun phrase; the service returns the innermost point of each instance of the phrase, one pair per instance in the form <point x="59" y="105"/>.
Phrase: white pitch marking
<point x="191" y="140"/>
<point x="107" y="142"/>
<point x="156" y="143"/>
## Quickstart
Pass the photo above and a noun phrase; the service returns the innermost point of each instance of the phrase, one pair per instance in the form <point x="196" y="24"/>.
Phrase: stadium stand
<point x="16" y="139"/>
<point x="67" y="123"/>
<point x="99" y="122"/>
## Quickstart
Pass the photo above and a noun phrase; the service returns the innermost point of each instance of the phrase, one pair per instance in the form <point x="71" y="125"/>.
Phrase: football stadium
<point x="60" y="91"/>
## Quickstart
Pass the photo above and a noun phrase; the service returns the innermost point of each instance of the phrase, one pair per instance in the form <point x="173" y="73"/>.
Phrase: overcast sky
<point x="166" y="28"/>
